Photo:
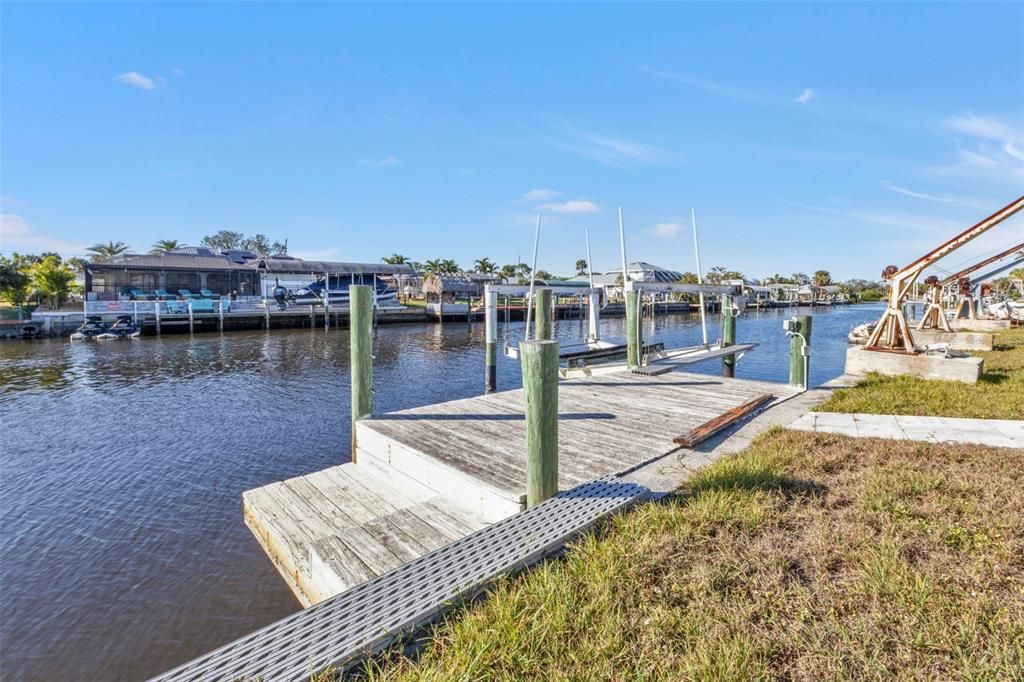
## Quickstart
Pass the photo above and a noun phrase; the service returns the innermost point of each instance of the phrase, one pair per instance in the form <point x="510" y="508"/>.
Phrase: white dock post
<point x="135" y="312"/>
<point x="220" y="308"/>
<point x="594" y="316"/>
<point x="191" y="321"/>
<point x="156" y="307"/>
<point x="491" y="338"/>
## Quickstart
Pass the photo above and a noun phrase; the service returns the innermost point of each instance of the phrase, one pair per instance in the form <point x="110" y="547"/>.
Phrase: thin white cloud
<point x="806" y="96"/>
<point x="136" y="79"/>
<point x="987" y="128"/>
<point x="918" y="195"/>
<point x="178" y="72"/>
<point x="16" y="234"/>
<point x="665" y="230"/>
<point x="903" y="221"/>
<point x="388" y="160"/>
<point x="540" y="194"/>
<point x="707" y="85"/>
<point x="997" y="154"/>
<point x="571" y="207"/>
<point x="616" y="151"/>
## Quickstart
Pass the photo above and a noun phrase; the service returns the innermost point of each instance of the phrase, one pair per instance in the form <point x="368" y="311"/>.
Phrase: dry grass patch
<point x="808" y="556"/>
<point x="999" y="393"/>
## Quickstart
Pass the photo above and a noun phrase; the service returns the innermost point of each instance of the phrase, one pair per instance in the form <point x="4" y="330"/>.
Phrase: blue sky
<point x="834" y="136"/>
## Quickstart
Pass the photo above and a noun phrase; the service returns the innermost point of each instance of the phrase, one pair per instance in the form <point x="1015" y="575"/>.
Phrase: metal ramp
<point x="347" y="628"/>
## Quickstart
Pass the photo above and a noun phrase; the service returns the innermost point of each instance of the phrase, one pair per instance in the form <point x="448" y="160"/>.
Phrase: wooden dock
<point x="427" y="476"/>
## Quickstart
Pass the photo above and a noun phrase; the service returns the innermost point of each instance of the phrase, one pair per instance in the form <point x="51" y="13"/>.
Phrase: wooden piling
<point x="491" y="339"/>
<point x="797" y="376"/>
<point x="361" y="344"/>
<point x="543" y="315"/>
<point x="728" y="336"/>
<point x="634" y="335"/>
<point x="540" y="382"/>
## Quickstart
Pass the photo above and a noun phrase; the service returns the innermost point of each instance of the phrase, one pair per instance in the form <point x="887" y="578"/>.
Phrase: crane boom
<point x="892" y="332"/>
<point x="979" y="266"/>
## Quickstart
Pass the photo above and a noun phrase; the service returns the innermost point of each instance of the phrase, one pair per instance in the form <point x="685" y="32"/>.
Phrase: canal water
<point x="123" y="550"/>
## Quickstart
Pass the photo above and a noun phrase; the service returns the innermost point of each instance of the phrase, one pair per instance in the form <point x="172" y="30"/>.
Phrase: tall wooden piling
<point x="728" y="336"/>
<point x="361" y="344"/>
<point x="798" y="365"/>
<point x="543" y="314"/>
<point x="634" y="335"/>
<point x="540" y="383"/>
<point x="491" y="339"/>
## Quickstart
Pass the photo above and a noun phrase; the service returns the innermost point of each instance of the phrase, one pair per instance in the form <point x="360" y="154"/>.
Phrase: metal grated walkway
<point x="367" y="618"/>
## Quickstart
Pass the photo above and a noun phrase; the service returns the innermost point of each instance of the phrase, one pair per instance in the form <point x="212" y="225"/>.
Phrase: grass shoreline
<point x="806" y="556"/>
<point x="999" y="393"/>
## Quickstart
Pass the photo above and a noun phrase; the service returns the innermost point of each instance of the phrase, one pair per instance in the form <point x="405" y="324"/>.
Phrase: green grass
<point x="808" y="556"/>
<point x="999" y="393"/>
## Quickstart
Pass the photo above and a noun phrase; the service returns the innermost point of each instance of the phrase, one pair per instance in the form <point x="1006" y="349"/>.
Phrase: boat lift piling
<point x="491" y="339"/>
<point x="729" y="315"/>
<point x="361" y="345"/>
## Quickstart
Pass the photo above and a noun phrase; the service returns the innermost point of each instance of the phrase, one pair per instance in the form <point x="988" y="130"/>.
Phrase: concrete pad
<point x="861" y="361"/>
<point x="956" y="340"/>
<point x="979" y="325"/>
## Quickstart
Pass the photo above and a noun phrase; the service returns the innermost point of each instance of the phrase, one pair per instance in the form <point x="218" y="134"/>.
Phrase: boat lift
<point x="892" y="333"/>
<point x="654" y="357"/>
<point x="965" y="286"/>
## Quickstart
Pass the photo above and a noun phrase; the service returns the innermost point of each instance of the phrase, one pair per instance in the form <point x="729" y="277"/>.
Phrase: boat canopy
<point x="297" y="266"/>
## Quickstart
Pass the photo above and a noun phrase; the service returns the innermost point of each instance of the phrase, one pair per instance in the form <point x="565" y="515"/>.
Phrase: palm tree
<point x="507" y="272"/>
<point x="581" y="267"/>
<point x="108" y="250"/>
<point x="395" y="259"/>
<point x="164" y="245"/>
<point x="449" y="267"/>
<point x="822" y="278"/>
<point x="434" y="265"/>
<point x="485" y="266"/>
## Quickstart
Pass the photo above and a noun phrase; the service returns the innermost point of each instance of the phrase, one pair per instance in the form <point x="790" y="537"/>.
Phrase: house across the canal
<point x="235" y="273"/>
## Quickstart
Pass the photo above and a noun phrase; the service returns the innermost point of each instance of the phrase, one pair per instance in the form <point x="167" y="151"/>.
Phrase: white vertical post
<point x="491" y="339"/>
<point x="622" y="248"/>
<point x="700" y="277"/>
<point x="190" y="318"/>
<point x="594" y="316"/>
<point x="156" y="307"/>
<point x="533" y="278"/>
<point x="220" y="309"/>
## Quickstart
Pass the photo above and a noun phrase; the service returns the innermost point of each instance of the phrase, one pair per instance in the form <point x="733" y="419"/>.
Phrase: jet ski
<point x="123" y="328"/>
<point x="93" y="327"/>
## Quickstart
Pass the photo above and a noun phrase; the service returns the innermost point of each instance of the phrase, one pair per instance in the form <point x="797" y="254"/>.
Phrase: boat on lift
<point x="335" y="290"/>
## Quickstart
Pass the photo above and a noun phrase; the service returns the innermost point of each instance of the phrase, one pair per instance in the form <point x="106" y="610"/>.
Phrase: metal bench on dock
<point x="345" y="629"/>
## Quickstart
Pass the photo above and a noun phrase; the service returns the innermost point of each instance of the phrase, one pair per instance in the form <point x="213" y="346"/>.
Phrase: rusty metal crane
<point x="892" y="333"/>
<point x="933" y="316"/>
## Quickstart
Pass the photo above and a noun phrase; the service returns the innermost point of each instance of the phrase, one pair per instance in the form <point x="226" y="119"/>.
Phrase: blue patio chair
<point x="209" y="294"/>
<point x="185" y="293"/>
<point x="163" y="295"/>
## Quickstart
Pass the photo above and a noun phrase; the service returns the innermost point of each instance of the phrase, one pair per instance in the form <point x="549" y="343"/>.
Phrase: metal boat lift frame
<point x="934" y="315"/>
<point x="659" y="359"/>
<point x="592" y="343"/>
<point x="892" y="333"/>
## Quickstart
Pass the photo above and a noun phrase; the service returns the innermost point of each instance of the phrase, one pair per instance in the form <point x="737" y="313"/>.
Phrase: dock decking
<point x="427" y="476"/>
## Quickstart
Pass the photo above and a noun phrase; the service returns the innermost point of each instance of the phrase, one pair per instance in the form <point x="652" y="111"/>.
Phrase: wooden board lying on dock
<point x="713" y="426"/>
